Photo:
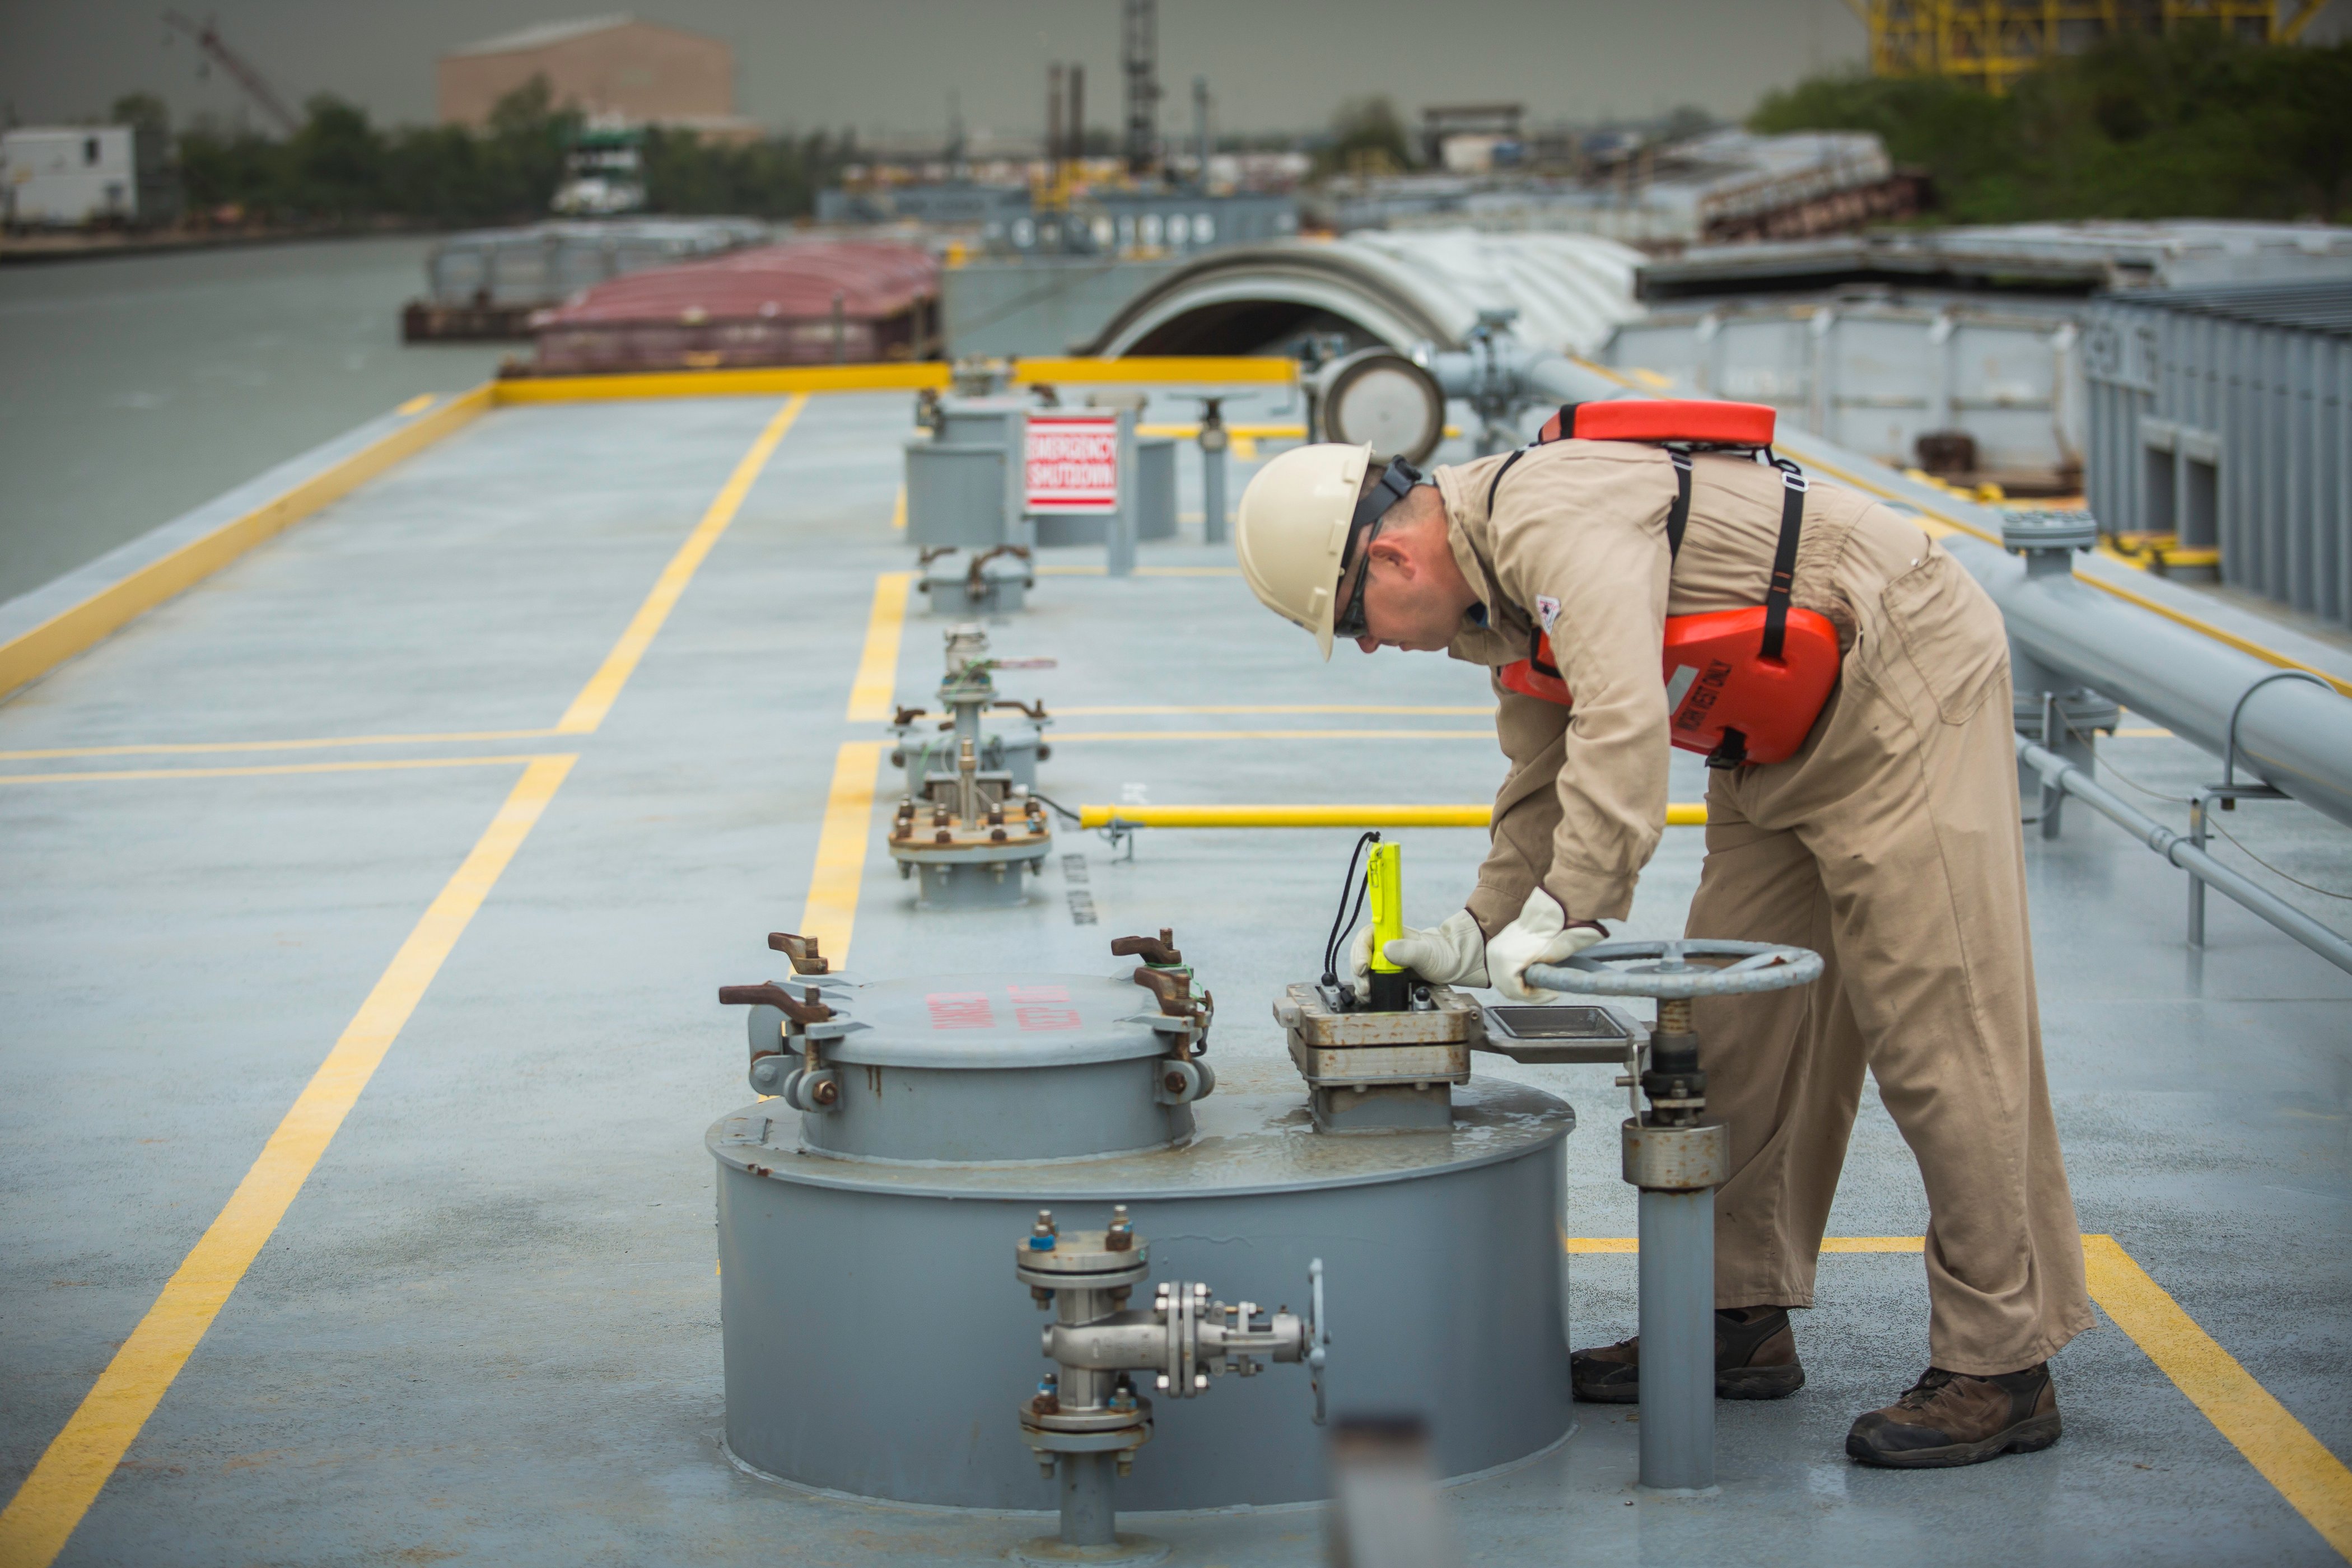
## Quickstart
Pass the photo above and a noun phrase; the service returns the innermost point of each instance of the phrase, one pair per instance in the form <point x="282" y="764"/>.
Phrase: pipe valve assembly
<point x="1086" y="1418"/>
<point x="1677" y="1159"/>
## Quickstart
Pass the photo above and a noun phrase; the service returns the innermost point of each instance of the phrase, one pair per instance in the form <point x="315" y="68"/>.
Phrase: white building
<point x="64" y="176"/>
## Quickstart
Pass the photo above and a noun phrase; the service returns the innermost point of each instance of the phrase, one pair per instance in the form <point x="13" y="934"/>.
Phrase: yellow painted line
<point x="2141" y="734"/>
<point x="603" y="689"/>
<point x="416" y="404"/>
<point x="1272" y="735"/>
<point x="43" y="1515"/>
<point x="1872" y="1244"/>
<point x="1268" y="707"/>
<point x="877" y="666"/>
<point x="71" y="631"/>
<point x="1143" y="571"/>
<point x="831" y="913"/>
<point x="2229" y="639"/>
<point x="774" y="381"/>
<point x="202" y="748"/>
<point x="2312" y="1480"/>
<point x="1681" y="813"/>
<point x="1239" y="431"/>
<point x="1139" y="369"/>
<point x="1250" y="433"/>
<point x="898" y="511"/>
<point x="266" y="770"/>
<point x="1830" y="1244"/>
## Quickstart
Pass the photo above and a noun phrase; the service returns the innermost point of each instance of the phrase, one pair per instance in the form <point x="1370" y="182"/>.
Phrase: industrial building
<point x="59" y="176"/>
<point x="612" y="67"/>
<point x="1724" y="186"/>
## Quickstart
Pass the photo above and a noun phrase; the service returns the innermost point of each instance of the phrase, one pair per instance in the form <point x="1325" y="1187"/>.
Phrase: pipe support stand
<point x="1677" y="1324"/>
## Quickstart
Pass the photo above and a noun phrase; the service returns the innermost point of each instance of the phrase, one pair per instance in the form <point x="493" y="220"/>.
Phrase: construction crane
<point x="209" y="41"/>
<point x="1993" y="42"/>
<point x="1142" y="62"/>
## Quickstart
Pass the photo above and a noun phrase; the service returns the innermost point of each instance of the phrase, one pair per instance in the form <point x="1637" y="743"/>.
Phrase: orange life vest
<point x="1742" y="686"/>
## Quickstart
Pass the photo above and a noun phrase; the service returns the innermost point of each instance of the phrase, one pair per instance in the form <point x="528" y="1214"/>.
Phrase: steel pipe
<point x="1677" y="1271"/>
<point x="2329" y="944"/>
<point x="2297" y="734"/>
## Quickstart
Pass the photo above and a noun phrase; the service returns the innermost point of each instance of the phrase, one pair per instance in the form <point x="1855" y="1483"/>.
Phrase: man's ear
<point x="1393" y="553"/>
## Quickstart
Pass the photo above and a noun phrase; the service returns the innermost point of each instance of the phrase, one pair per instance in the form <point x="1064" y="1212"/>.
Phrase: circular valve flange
<point x="1676" y="969"/>
<point x="1081" y="1260"/>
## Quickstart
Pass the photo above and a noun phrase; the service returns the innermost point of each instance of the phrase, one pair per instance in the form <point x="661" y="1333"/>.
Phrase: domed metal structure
<point x="1391" y="289"/>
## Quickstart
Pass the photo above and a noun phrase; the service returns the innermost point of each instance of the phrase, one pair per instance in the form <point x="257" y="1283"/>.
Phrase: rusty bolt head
<point x="996" y="836"/>
<point x="826" y="1093"/>
<point x="943" y="836"/>
<point x="1173" y="1082"/>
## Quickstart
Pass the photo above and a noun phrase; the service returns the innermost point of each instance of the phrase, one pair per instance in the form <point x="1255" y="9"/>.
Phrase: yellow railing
<point x="1683" y="813"/>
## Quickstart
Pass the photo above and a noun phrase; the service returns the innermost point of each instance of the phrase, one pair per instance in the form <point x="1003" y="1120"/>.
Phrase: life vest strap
<point x="1678" y="519"/>
<point x="1784" y="558"/>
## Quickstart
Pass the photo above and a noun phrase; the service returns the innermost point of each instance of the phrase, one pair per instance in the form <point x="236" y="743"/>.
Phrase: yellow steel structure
<point x="1991" y="43"/>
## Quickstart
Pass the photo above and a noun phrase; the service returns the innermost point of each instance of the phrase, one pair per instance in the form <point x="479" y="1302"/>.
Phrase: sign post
<point x="1119" y="531"/>
<point x="1077" y="461"/>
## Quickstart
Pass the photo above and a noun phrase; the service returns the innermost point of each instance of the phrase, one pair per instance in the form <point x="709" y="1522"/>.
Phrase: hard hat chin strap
<point x="1396" y="482"/>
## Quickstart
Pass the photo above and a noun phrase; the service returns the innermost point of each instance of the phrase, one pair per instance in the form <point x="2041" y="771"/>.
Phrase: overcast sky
<point x="891" y="64"/>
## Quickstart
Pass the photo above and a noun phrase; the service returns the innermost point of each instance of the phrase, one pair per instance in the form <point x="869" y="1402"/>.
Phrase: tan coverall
<point x="1890" y="845"/>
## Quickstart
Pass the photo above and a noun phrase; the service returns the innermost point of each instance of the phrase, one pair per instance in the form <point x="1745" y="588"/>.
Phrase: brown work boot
<point x="1755" y="1358"/>
<point x="1949" y="1418"/>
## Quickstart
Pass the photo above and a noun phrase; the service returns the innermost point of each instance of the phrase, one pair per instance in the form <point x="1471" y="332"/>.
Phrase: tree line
<point x="2192" y="124"/>
<point x="341" y="168"/>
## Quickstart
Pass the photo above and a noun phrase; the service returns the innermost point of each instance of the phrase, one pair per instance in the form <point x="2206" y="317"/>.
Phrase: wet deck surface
<point x="485" y="1329"/>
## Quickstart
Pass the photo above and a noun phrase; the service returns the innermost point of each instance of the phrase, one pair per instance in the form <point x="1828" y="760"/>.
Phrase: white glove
<point x="1454" y="953"/>
<point x="1540" y="935"/>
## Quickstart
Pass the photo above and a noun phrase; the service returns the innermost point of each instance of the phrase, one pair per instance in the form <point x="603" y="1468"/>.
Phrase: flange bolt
<point x="1042" y="1234"/>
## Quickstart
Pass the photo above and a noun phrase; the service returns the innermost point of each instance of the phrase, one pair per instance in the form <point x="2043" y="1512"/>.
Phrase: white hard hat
<point x="1291" y="532"/>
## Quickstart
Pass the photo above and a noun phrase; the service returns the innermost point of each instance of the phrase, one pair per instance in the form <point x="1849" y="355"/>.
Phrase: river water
<point x="133" y="388"/>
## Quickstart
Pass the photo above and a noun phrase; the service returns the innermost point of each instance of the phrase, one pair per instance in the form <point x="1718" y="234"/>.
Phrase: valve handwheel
<point x="1676" y="969"/>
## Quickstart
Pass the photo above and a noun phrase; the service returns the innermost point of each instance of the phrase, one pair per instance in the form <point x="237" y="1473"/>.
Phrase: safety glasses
<point x="1396" y="483"/>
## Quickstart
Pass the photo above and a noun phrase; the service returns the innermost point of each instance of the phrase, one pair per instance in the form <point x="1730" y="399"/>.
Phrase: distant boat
<point x="812" y="302"/>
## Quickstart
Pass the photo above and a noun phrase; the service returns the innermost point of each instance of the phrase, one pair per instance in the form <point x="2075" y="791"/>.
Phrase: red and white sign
<point x="1072" y="462"/>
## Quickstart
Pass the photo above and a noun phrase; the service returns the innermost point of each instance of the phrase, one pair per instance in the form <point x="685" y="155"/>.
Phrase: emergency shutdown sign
<point x="1073" y="462"/>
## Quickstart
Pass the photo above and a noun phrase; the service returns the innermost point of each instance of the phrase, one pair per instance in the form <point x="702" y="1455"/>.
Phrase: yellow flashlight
<point x="1391" y="989"/>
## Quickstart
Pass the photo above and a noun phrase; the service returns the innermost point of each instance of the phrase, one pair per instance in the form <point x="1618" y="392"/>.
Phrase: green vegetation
<point x="2193" y="125"/>
<point x="1366" y="136"/>
<point x="340" y="168"/>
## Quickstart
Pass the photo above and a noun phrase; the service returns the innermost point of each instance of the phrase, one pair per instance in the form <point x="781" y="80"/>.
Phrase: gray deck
<point x="486" y="1330"/>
